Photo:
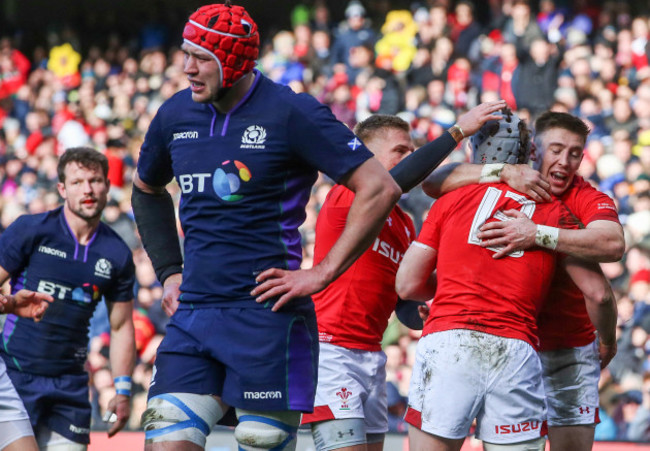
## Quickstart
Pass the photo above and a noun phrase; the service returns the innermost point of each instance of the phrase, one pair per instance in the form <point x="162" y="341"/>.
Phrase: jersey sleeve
<point x="430" y="232"/>
<point x="591" y="205"/>
<point x="325" y="143"/>
<point x="122" y="289"/>
<point x="154" y="162"/>
<point x="16" y="245"/>
<point x="337" y="206"/>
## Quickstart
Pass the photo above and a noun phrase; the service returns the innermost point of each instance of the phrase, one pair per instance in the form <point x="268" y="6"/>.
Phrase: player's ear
<point x="60" y="186"/>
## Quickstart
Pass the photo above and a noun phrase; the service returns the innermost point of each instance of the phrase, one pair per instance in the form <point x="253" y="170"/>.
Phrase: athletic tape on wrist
<point x="123" y="385"/>
<point x="491" y="173"/>
<point x="546" y="236"/>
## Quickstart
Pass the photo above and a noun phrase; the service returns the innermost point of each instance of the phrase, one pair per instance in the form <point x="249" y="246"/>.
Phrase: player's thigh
<point x="17" y="435"/>
<point x="59" y="404"/>
<point x="70" y="413"/>
<point x="447" y="384"/>
<point x="423" y="441"/>
<point x="571" y="384"/>
<point x="515" y="407"/>
<point x="575" y="438"/>
<point x="272" y="364"/>
<point x="184" y="364"/>
<point x="49" y="440"/>
<point x="536" y="444"/>
<point x="351" y="384"/>
<point x="13" y="408"/>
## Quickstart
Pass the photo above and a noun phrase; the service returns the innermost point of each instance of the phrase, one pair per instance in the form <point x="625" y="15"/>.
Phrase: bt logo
<point x="53" y="289"/>
<point x="226" y="180"/>
<point x="84" y="294"/>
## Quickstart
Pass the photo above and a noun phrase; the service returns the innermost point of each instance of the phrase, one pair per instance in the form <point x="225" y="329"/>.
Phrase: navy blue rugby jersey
<point x="245" y="178"/>
<point x="42" y="254"/>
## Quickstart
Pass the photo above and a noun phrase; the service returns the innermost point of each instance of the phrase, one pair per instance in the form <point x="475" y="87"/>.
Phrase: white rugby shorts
<point x="571" y="384"/>
<point x="461" y="374"/>
<point x="351" y="384"/>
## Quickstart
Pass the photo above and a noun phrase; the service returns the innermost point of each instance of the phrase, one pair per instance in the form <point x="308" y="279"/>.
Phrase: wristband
<point x="491" y="173"/>
<point x="546" y="236"/>
<point x="457" y="133"/>
<point x="123" y="385"/>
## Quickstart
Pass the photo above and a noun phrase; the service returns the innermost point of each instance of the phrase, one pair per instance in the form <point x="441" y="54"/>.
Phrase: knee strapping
<point x="273" y="431"/>
<point x="334" y="434"/>
<point x="180" y="417"/>
<point x="537" y="444"/>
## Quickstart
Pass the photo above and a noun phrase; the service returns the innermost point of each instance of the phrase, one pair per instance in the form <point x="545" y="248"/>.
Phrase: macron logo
<point x="50" y="251"/>
<point x="262" y="395"/>
<point x="186" y="135"/>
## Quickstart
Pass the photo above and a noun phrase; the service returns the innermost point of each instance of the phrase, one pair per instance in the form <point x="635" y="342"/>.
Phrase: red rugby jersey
<point x="563" y="321"/>
<point x="500" y="297"/>
<point x="353" y="311"/>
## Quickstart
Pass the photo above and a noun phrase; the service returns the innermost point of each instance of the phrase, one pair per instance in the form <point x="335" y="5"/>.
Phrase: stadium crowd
<point x="427" y="64"/>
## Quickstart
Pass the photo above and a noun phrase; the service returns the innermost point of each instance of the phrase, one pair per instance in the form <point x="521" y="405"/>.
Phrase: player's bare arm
<point x="122" y="359"/>
<point x="600" y="241"/>
<point x="415" y="277"/>
<point x="520" y="177"/>
<point x="168" y="269"/>
<point x="600" y="303"/>
<point x="375" y="195"/>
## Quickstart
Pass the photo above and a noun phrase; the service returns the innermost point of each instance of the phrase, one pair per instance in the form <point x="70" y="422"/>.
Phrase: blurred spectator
<point x="396" y="48"/>
<point x="353" y="32"/>
<point x="396" y="409"/>
<point x="502" y="74"/>
<point x="14" y="69"/>
<point x="639" y="426"/>
<point x="464" y="29"/>
<point x="628" y="404"/>
<point x="520" y="28"/>
<point x="435" y="64"/>
<point x="538" y="73"/>
<point x="622" y="118"/>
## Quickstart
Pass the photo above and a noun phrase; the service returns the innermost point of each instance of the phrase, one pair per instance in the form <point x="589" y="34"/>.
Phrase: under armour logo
<point x="584" y="410"/>
<point x="341" y="434"/>
<point x="354" y="144"/>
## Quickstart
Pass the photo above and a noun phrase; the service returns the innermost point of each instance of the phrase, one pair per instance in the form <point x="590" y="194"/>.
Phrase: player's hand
<point x="171" y="293"/>
<point x="287" y="285"/>
<point x="27" y="303"/>
<point x="527" y="180"/>
<point x="606" y="353"/>
<point x="120" y="405"/>
<point x="515" y="234"/>
<point x="424" y="310"/>
<point x="474" y="119"/>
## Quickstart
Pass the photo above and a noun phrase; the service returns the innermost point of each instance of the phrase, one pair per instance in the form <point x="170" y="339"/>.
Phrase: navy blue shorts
<point x="58" y="403"/>
<point x="253" y="359"/>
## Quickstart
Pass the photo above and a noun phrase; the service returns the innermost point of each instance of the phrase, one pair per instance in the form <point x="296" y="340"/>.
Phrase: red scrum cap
<point x="228" y="33"/>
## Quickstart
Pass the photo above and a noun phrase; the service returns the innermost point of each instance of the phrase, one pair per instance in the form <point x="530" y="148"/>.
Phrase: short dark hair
<point x="371" y="125"/>
<point x="566" y="121"/>
<point x="86" y="157"/>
